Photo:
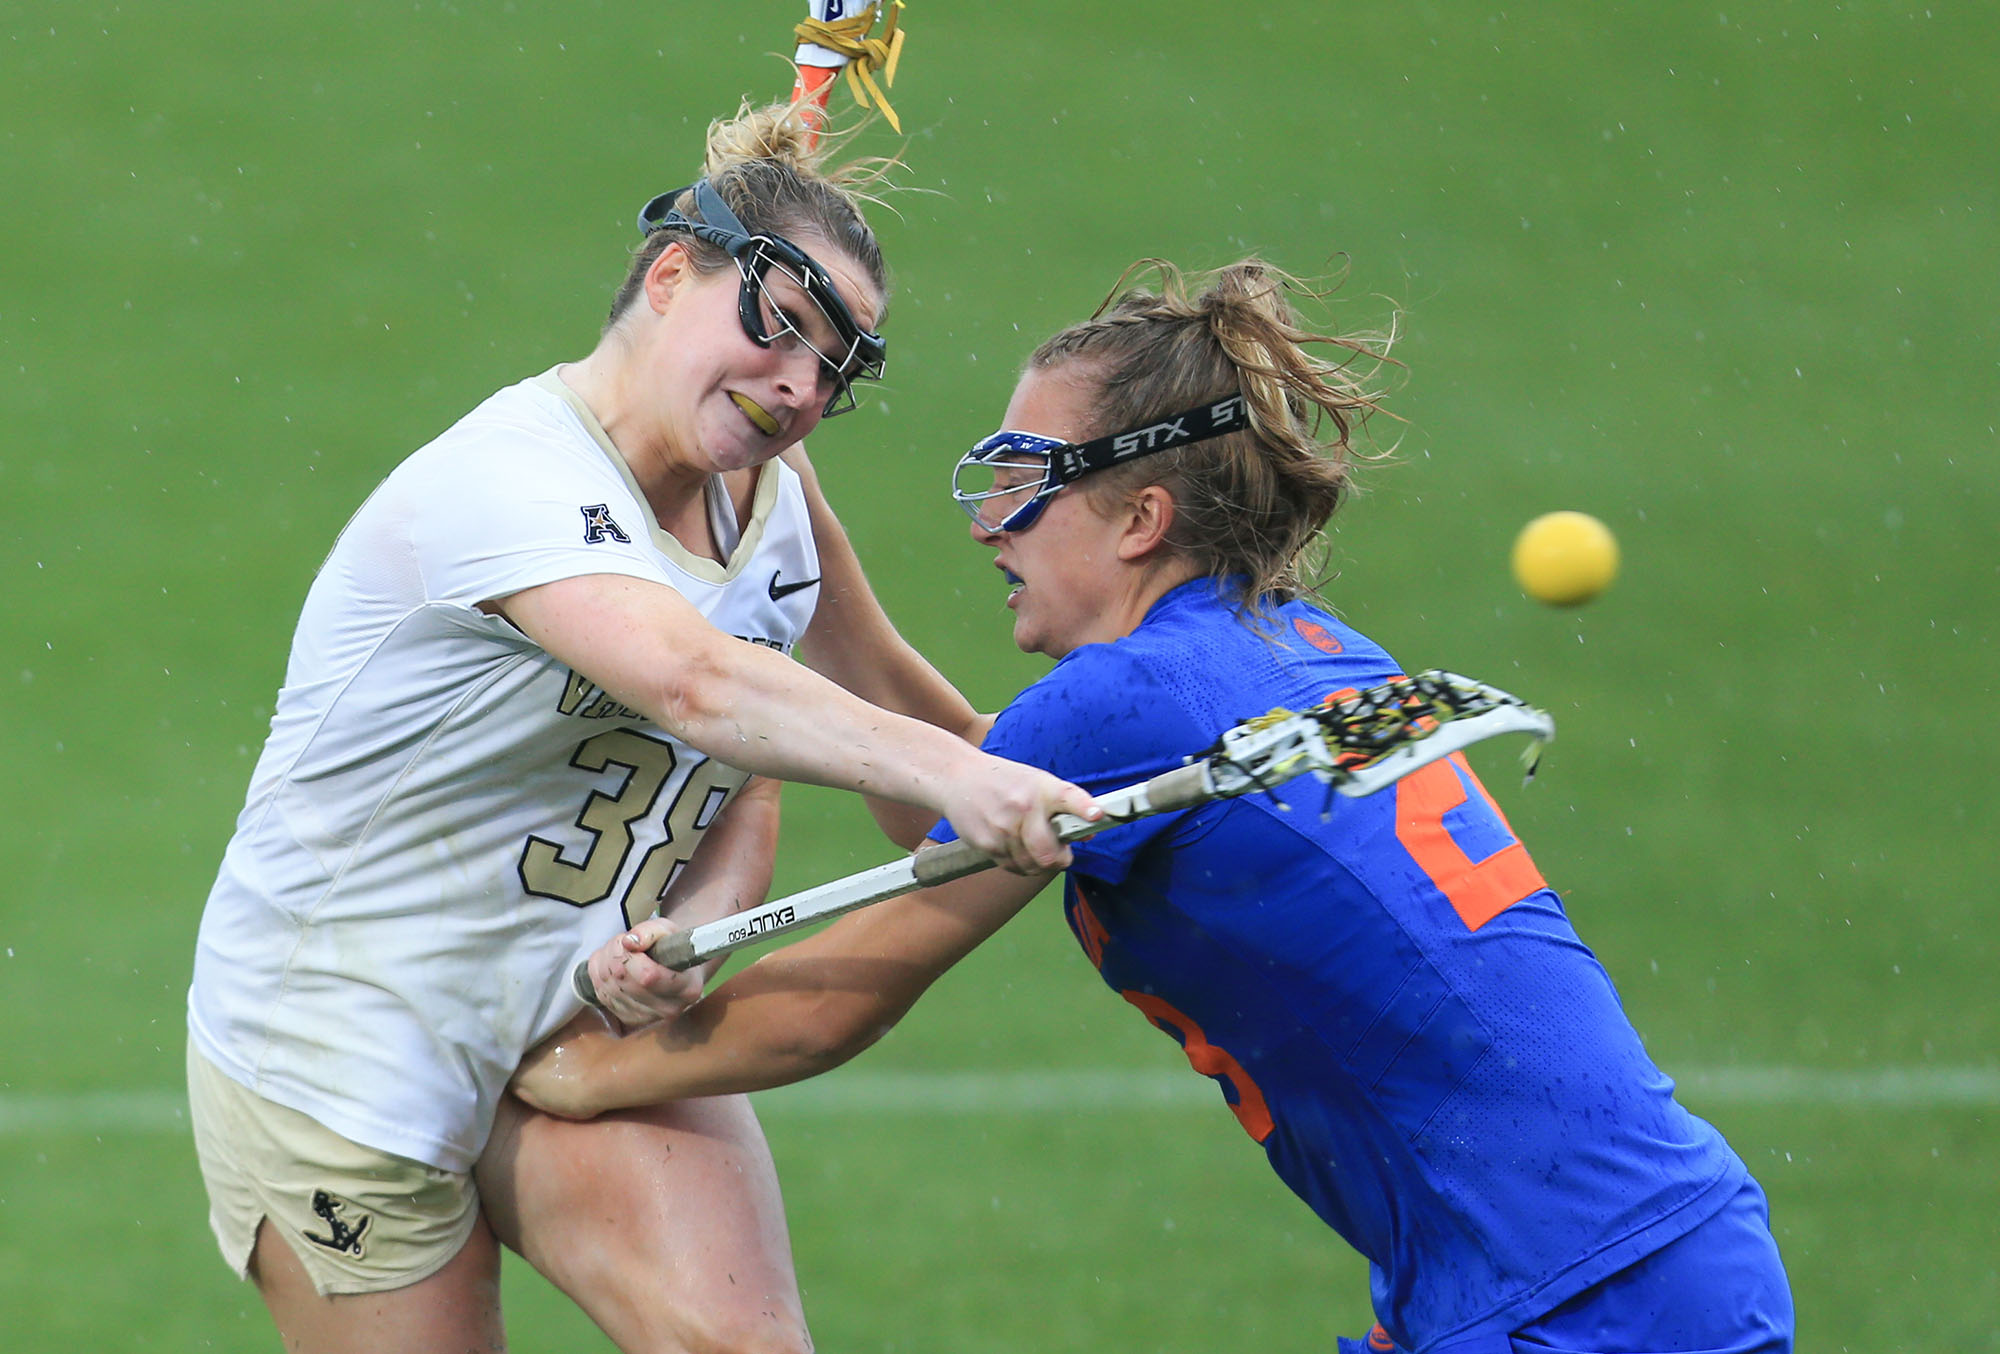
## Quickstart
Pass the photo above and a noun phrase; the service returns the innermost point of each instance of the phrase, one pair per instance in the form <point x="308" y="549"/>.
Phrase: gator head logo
<point x="1317" y="635"/>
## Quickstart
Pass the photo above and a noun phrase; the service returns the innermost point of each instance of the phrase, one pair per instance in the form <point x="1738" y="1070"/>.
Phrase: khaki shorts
<point x="360" y="1221"/>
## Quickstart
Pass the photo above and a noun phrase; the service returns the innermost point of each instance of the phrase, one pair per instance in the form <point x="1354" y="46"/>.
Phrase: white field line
<point x="1076" y="1089"/>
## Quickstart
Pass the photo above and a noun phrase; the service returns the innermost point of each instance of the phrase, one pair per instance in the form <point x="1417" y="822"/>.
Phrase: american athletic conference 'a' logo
<point x="598" y="526"/>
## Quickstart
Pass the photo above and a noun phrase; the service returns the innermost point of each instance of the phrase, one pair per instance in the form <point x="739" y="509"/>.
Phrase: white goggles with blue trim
<point x="1008" y="477"/>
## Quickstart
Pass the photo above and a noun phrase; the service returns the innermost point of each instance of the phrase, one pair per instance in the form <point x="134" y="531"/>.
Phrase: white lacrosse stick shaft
<point x="1256" y="757"/>
<point x="1178" y="789"/>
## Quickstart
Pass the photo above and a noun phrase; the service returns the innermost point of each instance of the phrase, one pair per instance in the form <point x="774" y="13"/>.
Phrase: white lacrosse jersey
<point x="445" y="819"/>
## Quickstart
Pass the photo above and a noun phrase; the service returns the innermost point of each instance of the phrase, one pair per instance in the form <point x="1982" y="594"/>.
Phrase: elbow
<point x="691" y="698"/>
<point x="904" y="824"/>
<point x="835" y="1029"/>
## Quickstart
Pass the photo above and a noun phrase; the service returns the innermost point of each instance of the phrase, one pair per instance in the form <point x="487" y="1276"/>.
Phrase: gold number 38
<point x="648" y="763"/>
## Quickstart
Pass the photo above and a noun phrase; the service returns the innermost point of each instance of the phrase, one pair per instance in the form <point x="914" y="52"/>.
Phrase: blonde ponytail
<point x="1248" y="506"/>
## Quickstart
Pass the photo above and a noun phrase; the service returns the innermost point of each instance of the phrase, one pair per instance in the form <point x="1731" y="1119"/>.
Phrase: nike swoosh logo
<point x="780" y="591"/>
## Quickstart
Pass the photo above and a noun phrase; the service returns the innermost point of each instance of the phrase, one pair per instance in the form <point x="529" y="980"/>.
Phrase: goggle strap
<point x="718" y="224"/>
<point x="714" y="210"/>
<point x="1072" y="462"/>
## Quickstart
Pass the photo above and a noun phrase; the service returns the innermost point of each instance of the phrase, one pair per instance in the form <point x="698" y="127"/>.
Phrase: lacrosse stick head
<point x="1359" y="741"/>
<point x="1384" y="733"/>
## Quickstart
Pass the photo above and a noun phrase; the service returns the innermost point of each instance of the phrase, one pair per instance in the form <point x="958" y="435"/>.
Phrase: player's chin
<point x="1032" y="637"/>
<point x="1024" y="635"/>
<point x="1021" y="616"/>
<point x="742" y="450"/>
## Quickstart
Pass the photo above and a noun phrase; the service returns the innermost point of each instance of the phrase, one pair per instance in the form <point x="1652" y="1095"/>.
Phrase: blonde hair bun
<point x="776" y="131"/>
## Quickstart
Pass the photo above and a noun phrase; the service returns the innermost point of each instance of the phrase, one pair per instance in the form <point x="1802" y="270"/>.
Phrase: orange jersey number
<point x="1478" y="890"/>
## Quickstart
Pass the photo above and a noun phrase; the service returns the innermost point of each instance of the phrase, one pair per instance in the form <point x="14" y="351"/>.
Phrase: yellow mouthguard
<point x="757" y="414"/>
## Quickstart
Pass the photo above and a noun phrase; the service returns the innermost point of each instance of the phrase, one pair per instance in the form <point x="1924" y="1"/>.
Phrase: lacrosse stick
<point x="831" y="40"/>
<point x="1356" y="742"/>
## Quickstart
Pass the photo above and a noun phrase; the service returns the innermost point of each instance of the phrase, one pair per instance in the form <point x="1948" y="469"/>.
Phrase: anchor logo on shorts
<point x="344" y="1238"/>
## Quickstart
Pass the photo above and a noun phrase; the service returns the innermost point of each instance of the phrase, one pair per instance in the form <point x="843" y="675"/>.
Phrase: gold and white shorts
<point x="360" y="1220"/>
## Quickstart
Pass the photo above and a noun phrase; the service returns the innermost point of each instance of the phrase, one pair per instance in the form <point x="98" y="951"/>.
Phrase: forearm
<point x="811" y="1006"/>
<point x="755" y="1032"/>
<point x="768" y="715"/>
<point x="793" y="1014"/>
<point x="906" y="824"/>
<point x="778" y="1021"/>
<point x="648" y="647"/>
<point x="853" y="642"/>
<point x="745" y="704"/>
<point x="731" y="868"/>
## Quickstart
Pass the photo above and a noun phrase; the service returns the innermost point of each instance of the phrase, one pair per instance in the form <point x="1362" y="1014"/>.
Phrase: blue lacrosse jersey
<point x="1389" y="997"/>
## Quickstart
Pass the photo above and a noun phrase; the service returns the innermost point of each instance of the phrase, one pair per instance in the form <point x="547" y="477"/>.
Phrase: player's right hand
<point x="1004" y="808"/>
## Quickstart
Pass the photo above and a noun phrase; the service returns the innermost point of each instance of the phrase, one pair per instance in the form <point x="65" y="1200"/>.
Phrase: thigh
<point x="454" y="1308"/>
<point x="664" y="1224"/>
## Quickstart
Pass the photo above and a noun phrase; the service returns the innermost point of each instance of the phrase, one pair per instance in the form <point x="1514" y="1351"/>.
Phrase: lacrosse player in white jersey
<point x="532" y="697"/>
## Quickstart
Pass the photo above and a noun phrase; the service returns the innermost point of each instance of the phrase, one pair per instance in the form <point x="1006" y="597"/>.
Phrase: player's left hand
<point x="632" y="988"/>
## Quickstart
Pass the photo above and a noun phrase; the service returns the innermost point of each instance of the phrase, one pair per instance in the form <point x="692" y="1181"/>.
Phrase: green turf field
<point x="1724" y="275"/>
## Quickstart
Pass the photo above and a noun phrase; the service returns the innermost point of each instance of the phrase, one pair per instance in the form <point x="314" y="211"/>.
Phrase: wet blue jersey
<point x="1391" y="1000"/>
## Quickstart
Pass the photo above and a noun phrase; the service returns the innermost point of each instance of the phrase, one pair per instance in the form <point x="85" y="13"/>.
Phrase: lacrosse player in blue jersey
<point x="1390" y="998"/>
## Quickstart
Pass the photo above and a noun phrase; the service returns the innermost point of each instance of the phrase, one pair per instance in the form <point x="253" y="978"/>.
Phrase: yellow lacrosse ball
<point x="1565" y="558"/>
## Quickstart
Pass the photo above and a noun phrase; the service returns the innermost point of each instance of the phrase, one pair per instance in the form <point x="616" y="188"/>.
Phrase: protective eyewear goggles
<point x="1008" y="477"/>
<point x="827" y="329"/>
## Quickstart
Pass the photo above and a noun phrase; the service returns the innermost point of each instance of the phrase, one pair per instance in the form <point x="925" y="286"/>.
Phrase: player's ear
<point x="1149" y="516"/>
<point x="667" y="274"/>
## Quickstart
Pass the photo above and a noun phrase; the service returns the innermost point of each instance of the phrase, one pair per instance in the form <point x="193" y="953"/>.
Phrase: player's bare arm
<point x="793" y="1014"/>
<point x="755" y="709"/>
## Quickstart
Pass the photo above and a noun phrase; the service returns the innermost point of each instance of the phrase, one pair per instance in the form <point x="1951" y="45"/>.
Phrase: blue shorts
<point x="1720" y="1289"/>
